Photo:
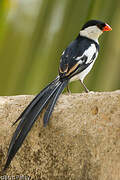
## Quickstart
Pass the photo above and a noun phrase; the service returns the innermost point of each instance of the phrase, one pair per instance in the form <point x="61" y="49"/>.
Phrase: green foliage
<point x="34" y="34"/>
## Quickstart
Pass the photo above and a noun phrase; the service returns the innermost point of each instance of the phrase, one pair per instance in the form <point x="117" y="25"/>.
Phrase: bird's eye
<point x="101" y="26"/>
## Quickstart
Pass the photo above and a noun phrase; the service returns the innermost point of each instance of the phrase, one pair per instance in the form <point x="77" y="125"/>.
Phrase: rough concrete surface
<point x="81" y="142"/>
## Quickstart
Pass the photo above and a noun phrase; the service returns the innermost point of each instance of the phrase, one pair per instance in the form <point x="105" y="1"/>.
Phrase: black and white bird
<point x="75" y="63"/>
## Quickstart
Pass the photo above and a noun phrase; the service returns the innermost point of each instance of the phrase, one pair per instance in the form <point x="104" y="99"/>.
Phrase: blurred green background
<point x="34" y="33"/>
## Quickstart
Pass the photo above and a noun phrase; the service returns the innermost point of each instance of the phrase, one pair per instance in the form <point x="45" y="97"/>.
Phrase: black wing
<point x="77" y="57"/>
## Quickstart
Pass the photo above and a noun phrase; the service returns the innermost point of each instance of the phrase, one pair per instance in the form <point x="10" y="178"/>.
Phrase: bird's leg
<point x="68" y="89"/>
<point x="86" y="89"/>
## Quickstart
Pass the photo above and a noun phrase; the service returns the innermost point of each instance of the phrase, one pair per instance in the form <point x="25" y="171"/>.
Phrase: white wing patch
<point x="80" y="62"/>
<point x="88" y="53"/>
<point x="79" y="57"/>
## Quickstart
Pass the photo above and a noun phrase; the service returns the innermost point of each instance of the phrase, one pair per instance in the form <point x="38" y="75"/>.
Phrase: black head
<point x="97" y="23"/>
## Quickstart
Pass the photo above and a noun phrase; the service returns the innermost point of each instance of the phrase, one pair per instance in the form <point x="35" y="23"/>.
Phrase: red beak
<point x="107" y="28"/>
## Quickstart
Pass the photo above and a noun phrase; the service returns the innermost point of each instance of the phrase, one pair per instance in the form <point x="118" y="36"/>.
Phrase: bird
<point x="75" y="63"/>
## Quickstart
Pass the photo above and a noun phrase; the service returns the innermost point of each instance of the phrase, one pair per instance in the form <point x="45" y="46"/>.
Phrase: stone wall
<point x="81" y="142"/>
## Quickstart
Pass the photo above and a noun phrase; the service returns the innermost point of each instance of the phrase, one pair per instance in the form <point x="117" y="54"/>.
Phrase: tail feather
<point x="32" y="115"/>
<point x="28" y="120"/>
<point x="34" y="101"/>
<point x="53" y="102"/>
<point x="30" y="108"/>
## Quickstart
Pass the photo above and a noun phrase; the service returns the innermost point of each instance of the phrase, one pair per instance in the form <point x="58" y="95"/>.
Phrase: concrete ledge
<point x="82" y="141"/>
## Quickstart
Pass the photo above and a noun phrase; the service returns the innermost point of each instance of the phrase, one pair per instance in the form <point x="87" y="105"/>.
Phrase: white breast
<point x="82" y="75"/>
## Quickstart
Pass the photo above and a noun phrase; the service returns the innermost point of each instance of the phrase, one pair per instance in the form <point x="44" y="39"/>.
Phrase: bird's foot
<point x="68" y="90"/>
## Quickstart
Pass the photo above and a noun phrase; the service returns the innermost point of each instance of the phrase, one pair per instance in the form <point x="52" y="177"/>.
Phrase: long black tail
<point x="48" y="96"/>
